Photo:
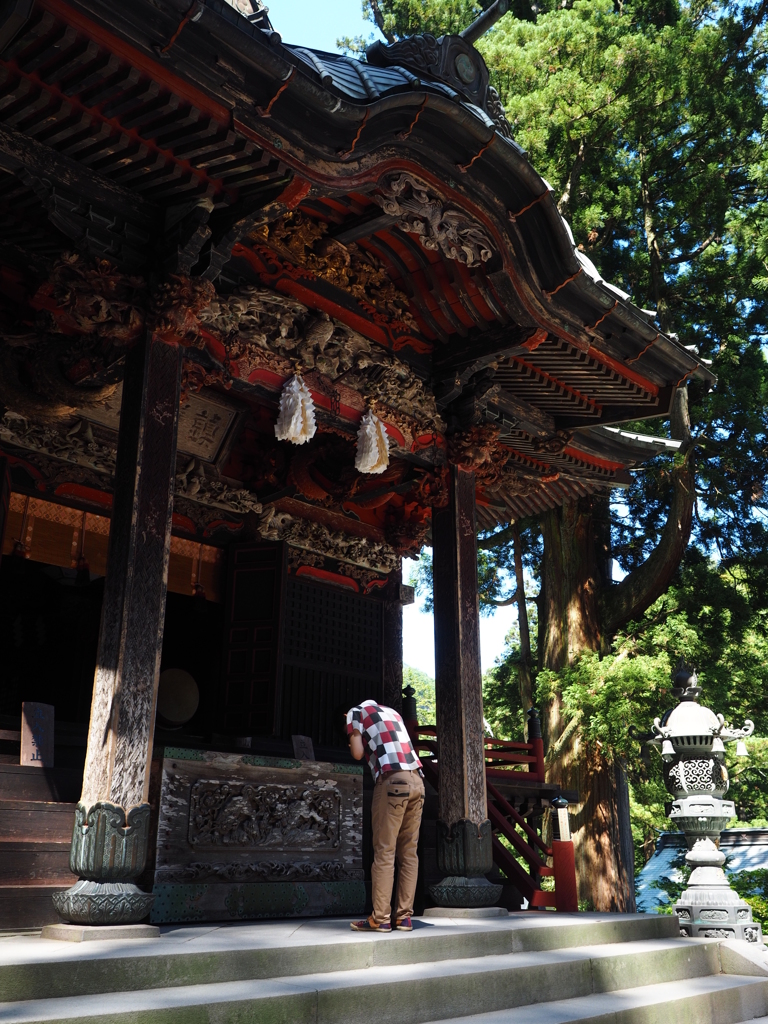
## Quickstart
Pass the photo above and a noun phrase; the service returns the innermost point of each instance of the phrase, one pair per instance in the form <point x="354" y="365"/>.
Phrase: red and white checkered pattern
<point x="387" y="745"/>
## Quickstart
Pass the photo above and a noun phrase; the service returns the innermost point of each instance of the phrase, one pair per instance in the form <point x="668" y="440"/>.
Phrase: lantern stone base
<point x="709" y="908"/>
<point x="719" y="927"/>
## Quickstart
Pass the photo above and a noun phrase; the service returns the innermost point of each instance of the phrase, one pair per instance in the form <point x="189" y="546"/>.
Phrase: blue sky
<point x="318" y="23"/>
<point x="419" y="633"/>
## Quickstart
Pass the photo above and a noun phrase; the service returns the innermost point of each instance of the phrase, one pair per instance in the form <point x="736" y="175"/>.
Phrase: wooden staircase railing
<point x="508" y="763"/>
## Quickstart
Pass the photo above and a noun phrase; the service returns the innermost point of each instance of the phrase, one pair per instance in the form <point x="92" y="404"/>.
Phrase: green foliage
<point x="502" y="707"/>
<point x="649" y="121"/>
<point x="502" y="704"/>
<point x="752" y="886"/>
<point x="424" y="686"/>
<point x="672" y="887"/>
<point x="647" y="813"/>
<point x="406" y="17"/>
<point x="711" y="617"/>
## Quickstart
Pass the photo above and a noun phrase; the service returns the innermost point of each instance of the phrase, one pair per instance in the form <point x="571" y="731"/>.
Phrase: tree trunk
<point x="576" y="564"/>
<point x="581" y="610"/>
<point x="569" y="619"/>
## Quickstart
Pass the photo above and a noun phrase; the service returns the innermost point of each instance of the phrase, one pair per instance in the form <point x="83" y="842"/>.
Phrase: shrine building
<point x="271" y="319"/>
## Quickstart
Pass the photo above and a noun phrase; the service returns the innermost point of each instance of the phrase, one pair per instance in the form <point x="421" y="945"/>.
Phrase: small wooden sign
<point x="303" y="748"/>
<point x="37" y="734"/>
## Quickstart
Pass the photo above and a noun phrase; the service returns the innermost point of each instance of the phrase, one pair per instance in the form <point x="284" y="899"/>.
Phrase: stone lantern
<point x="692" y="740"/>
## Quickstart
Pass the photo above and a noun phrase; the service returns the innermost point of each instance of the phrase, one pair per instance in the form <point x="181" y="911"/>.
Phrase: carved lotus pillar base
<point x="103" y="903"/>
<point x="465" y="854"/>
<point x="109" y="852"/>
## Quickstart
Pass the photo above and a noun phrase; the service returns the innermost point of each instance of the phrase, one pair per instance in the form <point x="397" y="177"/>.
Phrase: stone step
<point x="186" y="956"/>
<point x="718" y="999"/>
<point x="406" y="992"/>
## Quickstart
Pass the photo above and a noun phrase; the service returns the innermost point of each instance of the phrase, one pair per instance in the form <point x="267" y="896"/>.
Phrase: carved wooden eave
<point x="382" y="211"/>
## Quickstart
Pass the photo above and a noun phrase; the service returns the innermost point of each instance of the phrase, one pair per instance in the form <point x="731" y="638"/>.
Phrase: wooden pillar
<point x="463" y="829"/>
<point x="112" y="820"/>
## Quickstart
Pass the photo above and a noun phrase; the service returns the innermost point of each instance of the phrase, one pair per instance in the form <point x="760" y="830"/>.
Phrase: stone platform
<point x="540" y="967"/>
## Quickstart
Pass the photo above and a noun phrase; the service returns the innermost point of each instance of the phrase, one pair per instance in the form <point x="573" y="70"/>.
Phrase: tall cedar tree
<point x="648" y="117"/>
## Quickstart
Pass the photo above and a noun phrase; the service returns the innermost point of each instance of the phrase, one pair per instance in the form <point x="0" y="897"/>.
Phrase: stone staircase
<point x="528" y="968"/>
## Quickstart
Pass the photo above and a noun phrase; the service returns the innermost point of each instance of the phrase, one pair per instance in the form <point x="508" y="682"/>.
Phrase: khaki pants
<point x="398" y="800"/>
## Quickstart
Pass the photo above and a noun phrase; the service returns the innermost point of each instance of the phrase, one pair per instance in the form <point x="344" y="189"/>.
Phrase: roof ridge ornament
<point x="452" y="60"/>
<point x="686" y="683"/>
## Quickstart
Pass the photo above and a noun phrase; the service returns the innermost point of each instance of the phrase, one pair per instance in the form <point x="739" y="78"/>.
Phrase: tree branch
<point x="500" y="537"/>
<point x="637" y="591"/>
<point x="378" y="17"/>
<point x="563" y="740"/>
<point x="501" y="604"/>
<point x="573" y="180"/>
<point x="696" y="252"/>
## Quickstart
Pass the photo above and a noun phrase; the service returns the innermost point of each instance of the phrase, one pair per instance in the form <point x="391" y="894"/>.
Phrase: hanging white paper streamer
<point x="296" y="418"/>
<point x="372" y="445"/>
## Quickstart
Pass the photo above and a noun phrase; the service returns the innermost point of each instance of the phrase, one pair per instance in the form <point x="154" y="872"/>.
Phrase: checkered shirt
<point x="387" y="744"/>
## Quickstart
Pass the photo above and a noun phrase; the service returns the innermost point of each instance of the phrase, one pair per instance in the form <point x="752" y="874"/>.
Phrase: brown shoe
<point x="369" y="925"/>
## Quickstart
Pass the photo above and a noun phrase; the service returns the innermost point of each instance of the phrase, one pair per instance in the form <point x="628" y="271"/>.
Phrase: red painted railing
<point x="508" y="763"/>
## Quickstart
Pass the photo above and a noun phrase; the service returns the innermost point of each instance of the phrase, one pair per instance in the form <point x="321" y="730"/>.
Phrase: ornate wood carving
<point x="175" y="307"/>
<point x="89" y="315"/>
<point x="256" y="324"/>
<point x="480" y="450"/>
<point x="554" y="444"/>
<point x="305" y="242"/>
<point x="314" y="536"/>
<point x="422" y="211"/>
<point x="288" y="817"/>
<point x="259" y="871"/>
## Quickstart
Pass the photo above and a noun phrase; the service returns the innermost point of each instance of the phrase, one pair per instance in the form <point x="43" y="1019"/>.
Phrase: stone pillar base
<point x="103" y="903"/>
<point x="458" y="891"/>
<point x="470" y="913"/>
<point x="99" y="933"/>
<point x="465" y="854"/>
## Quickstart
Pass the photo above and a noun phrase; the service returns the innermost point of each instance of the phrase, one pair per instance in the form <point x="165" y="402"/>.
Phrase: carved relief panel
<point x="245" y="836"/>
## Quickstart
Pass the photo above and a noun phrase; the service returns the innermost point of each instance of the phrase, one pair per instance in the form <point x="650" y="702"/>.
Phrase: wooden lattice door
<point x="332" y="655"/>
<point x="253" y="640"/>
